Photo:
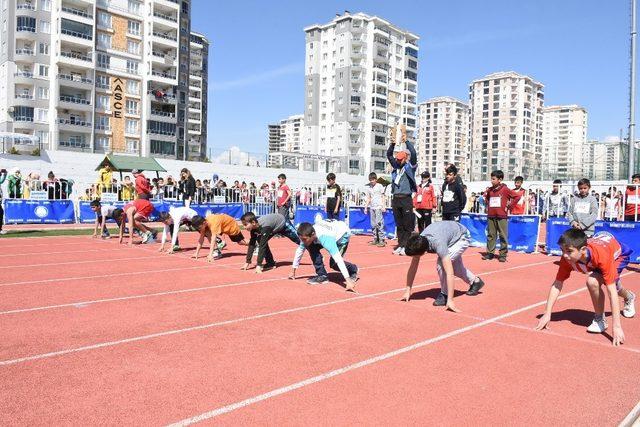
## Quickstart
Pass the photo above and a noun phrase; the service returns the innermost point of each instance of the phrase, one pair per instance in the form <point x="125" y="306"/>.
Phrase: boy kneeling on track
<point x="334" y="237"/>
<point x="135" y="212"/>
<point x="262" y="230"/>
<point x="449" y="240"/>
<point x="103" y="213"/>
<point x="172" y="221"/>
<point x="602" y="258"/>
<point x="214" y="226"/>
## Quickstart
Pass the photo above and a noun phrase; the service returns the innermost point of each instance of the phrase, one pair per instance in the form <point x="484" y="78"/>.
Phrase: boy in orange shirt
<point x="212" y="228"/>
<point x="602" y="258"/>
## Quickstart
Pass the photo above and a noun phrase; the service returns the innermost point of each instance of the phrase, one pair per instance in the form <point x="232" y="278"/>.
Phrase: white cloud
<point x="611" y="138"/>
<point x="253" y="79"/>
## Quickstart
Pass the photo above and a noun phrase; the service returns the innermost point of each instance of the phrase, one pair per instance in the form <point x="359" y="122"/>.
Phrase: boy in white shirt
<point x="172" y="221"/>
<point x="375" y="202"/>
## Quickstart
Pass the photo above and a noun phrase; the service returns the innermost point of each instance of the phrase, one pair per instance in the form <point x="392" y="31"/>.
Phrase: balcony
<point x="25" y="51"/>
<point x="77" y="12"/>
<point x="165" y="16"/>
<point x="25" y="6"/>
<point x="75" y="78"/>
<point x="26" y="29"/>
<point x="75" y="100"/>
<point x="73" y="144"/>
<point x="102" y="128"/>
<point x="74" y="124"/>
<point x="163" y="74"/>
<point x="165" y="36"/>
<point x="24" y="95"/>
<point x="23" y="119"/>
<point x="76" y="57"/>
<point x="72" y="33"/>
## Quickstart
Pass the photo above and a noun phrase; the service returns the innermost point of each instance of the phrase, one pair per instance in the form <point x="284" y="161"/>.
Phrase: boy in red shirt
<point x="143" y="189"/>
<point x="136" y="212"/>
<point x="497" y="198"/>
<point x="602" y="258"/>
<point x="517" y="208"/>
<point x="424" y="201"/>
<point x="283" y="200"/>
<point x="632" y="200"/>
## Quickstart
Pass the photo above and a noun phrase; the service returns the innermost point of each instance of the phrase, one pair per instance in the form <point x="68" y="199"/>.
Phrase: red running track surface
<point x="92" y="332"/>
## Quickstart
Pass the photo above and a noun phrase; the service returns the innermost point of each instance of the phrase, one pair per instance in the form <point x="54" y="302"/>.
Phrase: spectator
<point x="533" y="203"/>
<point x="375" y="202"/>
<point x="187" y="186"/>
<point x="424" y="201"/>
<point x="143" y="189"/>
<point x="15" y="184"/>
<point x="104" y="179"/>
<point x="453" y="197"/>
<point x="334" y="197"/>
<point x="632" y="206"/>
<point x="518" y="208"/>
<point x="31" y="183"/>
<point x="555" y="201"/>
<point x="128" y="190"/>
<point x="3" y="177"/>
<point x="611" y="205"/>
<point x="284" y="196"/>
<point x="53" y="187"/>
<point x="583" y="209"/>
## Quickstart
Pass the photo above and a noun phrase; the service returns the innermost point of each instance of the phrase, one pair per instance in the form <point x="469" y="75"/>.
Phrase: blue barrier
<point x="39" y="211"/>
<point x="624" y="232"/>
<point x="306" y="213"/>
<point x="360" y="223"/>
<point x="523" y="231"/>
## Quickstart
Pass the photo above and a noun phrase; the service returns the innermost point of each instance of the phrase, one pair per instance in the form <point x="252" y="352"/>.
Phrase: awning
<point x="129" y="163"/>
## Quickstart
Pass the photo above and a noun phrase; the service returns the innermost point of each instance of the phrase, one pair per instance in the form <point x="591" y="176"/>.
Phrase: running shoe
<point x="381" y="244"/>
<point x="269" y="266"/>
<point x="176" y="248"/>
<point x="354" y="276"/>
<point x="488" y="256"/>
<point x="598" y="326"/>
<point x="475" y="287"/>
<point x="318" y="280"/>
<point x="221" y="245"/>
<point x="629" y="309"/>
<point x="3" y="232"/>
<point x="441" y="300"/>
<point x="146" y="236"/>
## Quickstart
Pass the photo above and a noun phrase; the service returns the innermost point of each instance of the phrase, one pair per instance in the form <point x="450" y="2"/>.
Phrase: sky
<point x="579" y="49"/>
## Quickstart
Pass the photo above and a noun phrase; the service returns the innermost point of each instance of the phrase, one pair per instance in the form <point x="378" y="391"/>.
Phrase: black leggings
<point x="425" y="219"/>
<point x="405" y="219"/>
<point x="1" y="215"/>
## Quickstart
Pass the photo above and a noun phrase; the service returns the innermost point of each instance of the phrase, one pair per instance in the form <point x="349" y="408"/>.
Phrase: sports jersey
<point x="143" y="207"/>
<point x="177" y="216"/>
<point x="222" y="224"/>
<point x="605" y="255"/>
<point x="331" y="235"/>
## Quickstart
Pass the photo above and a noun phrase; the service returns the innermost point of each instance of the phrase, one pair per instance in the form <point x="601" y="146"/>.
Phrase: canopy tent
<point x="129" y="163"/>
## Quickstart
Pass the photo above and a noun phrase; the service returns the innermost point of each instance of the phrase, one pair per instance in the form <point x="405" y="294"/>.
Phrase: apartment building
<point x="443" y="132"/>
<point x="198" y="89"/>
<point x="285" y="137"/>
<point x="606" y="160"/>
<point x="360" y="78"/>
<point x="506" y="125"/>
<point x="97" y="76"/>
<point x="563" y="142"/>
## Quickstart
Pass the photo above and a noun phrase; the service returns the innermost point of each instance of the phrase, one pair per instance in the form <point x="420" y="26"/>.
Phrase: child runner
<point x="602" y="258"/>
<point x="136" y="212"/>
<point x="498" y="197"/>
<point x="334" y="237"/>
<point x="334" y="197"/>
<point x="375" y="202"/>
<point x="449" y="240"/>
<point x="518" y="208"/>
<point x="212" y="228"/>
<point x="424" y="201"/>
<point x="172" y="221"/>
<point x="262" y="230"/>
<point x="103" y="213"/>
<point x="583" y="209"/>
<point x="453" y="197"/>
<point x="632" y="194"/>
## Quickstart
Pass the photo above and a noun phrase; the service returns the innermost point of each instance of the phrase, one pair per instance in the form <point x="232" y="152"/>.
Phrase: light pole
<point x="632" y="95"/>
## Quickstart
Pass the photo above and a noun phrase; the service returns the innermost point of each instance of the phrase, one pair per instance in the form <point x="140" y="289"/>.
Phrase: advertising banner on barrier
<point x="232" y="209"/>
<point x="523" y="231"/>
<point x="306" y="213"/>
<point x="39" y="211"/>
<point x="360" y="223"/>
<point x="86" y="215"/>
<point x="625" y="232"/>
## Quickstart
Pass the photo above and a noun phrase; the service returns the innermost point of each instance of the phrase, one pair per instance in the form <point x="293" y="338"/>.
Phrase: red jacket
<point x="517" y="207"/>
<point x="142" y="186"/>
<point x="424" y="197"/>
<point x="498" y="198"/>
<point x="632" y="197"/>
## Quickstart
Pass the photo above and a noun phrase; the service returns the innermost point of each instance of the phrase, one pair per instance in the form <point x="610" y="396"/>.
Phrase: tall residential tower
<point x="563" y="142"/>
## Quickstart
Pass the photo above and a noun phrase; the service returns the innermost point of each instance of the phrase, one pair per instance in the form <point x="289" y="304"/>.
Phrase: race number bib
<point x="495" y="202"/>
<point x="447" y="196"/>
<point x="280" y="193"/>
<point x="633" y="200"/>
<point x="419" y="198"/>
<point x="331" y="193"/>
<point x="582" y="208"/>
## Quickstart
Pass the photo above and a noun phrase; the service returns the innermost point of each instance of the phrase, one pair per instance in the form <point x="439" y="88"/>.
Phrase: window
<point x="43" y="70"/>
<point x="133" y="47"/>
<point x="104" y="19"/>
<point x="26" y="23"/>
<point x="131" y="126"/>
<point x="102" y="122"/>
<point x="41" y="114"/>
<point x="131" y="145"/>
<point x="132" y="67"/>
<point x="103" y="102"/>
<point x="43" y="136"/>
<point x="134" y="7"/>
<point x="166" y="148"/>
<point x="103" y="60"/>
<point x="43" y="48"/>
<point x="45" y="27"/>
<point x="104" y="40"/>
<point x="45" y="5"/>
<point x="43" y="93"/>
<point x="102" y="142"/>
<point x="133" y="87"/>
<point x="134" y="28"/>
<point x="132" y="106"/>
<point x="102" y="81"/>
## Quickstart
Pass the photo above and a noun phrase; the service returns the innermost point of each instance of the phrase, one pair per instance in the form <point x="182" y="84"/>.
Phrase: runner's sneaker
<point x="176" y="248"/>
<point x="381" y="244"/>
<point x="222" y="245"/>
<point x="318" y="280"/>
<point x="3" y="232"/>
<point x="397" y="251"/>
<point x="354" y="276"/>
<point x="629" y="309"/>
<point x="475" y="287"/>
<point x="269" y="266"/>
<point x="402" y="252"/>
<point x="441" y="300"/>
<point x="146" y="236"/>
<point x="598" y="326"/>
<point x="217" y="255"/>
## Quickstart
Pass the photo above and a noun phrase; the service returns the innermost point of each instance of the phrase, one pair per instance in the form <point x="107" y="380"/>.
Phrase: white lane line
<point x="78" y="262"/>
<point x="366" y="362"/>
<point x="221" y="323"/>
<point x="54" y="253"/>
<point x="631" y="420"/>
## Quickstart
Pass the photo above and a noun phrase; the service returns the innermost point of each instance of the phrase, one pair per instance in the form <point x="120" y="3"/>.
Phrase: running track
<point x="96" y="333"/>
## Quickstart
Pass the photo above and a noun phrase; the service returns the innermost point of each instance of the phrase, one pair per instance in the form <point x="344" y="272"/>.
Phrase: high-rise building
<point x="443" y="131"/>
<point x="606" y="160"/>
<point x="285" y="137"/>
<point x="98" y="76"/>
<point x="361" y="77"/>
<point x="198" y="87"/>
<point x="563" y="140"/>
<point x="506" y="126"/>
